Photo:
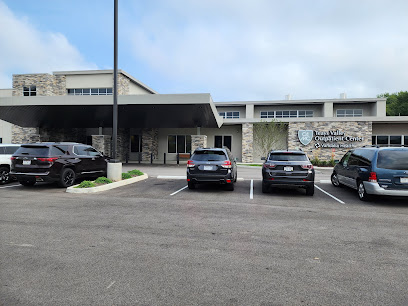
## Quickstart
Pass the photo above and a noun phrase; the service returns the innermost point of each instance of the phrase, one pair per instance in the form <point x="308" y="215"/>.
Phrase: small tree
<point x="268" y="136"/>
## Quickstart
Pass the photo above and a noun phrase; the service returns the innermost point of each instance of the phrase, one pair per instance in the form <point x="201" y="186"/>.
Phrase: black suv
<point x="288" y="169"/>
<point x="212" y="165"/>
<point x="374" y="171"/>
<point x="56" y="162"/>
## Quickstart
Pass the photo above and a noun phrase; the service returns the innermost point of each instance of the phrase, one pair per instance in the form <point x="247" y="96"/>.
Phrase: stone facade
<point x="24" y="135"/>
<point x="150" y="143"/>
<point x="102" y="143"/>
<point x="123" y="144"/>
<point x="330" y="139"/>
<point x="123" y="84"/>
<point x="198" y="141"/>
<point x="46" y="84"/>
<point x="247" y="143"/>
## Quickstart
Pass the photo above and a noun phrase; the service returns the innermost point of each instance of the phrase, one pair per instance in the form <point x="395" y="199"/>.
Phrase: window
<point x="179" y="143"/>
<point x="80" y="150"/>
<point x="1" y="140"/>
<point x="405" y="141"/>
<point x="135" y="144"/>
<point x="89" y="91"/>
<point x="58" y="150"/>
<point x="390" y="141"/>
<point x="349" y="113"/>
<point x="30" y="91"/>
<point x="229" y="115"/>
<point x="223" y="140"/>
<point x="382" y="140"/>
<point x="287" y="114"/>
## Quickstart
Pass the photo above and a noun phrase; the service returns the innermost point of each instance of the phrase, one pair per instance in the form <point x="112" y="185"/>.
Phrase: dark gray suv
<point x="288" y="169"/>
<point x="212" y="165"/>
<point x="374" y="171"/>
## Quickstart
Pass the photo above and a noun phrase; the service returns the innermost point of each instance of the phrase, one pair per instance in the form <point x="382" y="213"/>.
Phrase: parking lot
<point x="157" y="242"/>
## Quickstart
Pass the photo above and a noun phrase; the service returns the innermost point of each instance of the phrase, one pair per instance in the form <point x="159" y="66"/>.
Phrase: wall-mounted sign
<point x="328" y="139"/>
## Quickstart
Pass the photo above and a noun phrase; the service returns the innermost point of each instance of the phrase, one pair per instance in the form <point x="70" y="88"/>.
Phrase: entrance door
<point x="223" y="140"/>
<point x="135" y="147"/>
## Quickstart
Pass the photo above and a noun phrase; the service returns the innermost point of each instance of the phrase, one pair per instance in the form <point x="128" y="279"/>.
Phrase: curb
<point x="113" y="185"/>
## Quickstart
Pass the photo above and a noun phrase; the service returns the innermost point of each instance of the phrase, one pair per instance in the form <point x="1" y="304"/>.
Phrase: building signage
<point x="328" y="139"/>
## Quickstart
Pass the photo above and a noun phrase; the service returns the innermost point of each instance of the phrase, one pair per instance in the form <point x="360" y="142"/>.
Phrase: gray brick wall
<point x="198" y="141"/>
<point x="247" y="143"/>
<point x="24" y="135"/>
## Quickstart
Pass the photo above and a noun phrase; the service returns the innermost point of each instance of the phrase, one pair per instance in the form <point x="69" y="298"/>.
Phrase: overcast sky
<point x="235" y="50"/>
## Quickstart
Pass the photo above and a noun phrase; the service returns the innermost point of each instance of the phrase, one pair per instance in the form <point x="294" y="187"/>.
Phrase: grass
<point x="103" y="180"/>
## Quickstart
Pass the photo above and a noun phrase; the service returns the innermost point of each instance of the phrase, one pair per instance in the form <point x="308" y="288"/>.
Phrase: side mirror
<point x="263" y="158"/>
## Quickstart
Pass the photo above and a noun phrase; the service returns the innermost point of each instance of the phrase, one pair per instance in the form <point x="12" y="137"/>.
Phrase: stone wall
<point x="247" y="143"/>
<point x="123" y="84"/>
<point x="102" y="143"/>
<point x="24" y="134"/>
<point x="150" y="143"/>
<point x="198" y="141"/>
<point x="46" y="84"/>
<point x="329" y="139"/>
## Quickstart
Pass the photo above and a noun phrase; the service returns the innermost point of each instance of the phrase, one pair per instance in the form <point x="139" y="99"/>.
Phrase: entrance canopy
<point x="134" y="111"/>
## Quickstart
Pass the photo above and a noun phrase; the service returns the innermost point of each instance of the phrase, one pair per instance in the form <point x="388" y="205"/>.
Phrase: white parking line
<point x="338" y="200"/>
<point x="251" y="190"/>
<point x="10" y="186"/>
<point x="179" y="190"/>
<point x="172" y="177"/>
<point x="325" y="181"/>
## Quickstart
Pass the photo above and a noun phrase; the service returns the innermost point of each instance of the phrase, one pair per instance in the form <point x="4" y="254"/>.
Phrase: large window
<point x="30" y="91"/>
<point x="229" y="115"/>
<point x="90" y="91"/>
<point x="179" y="143"/>
<point x="390" y="140"/>
<point x="223" y="140"/>
<point x="287" y="114"/>
<point x="349" y="113"/>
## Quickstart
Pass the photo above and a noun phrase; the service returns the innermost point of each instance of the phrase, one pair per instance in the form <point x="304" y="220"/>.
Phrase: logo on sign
<point x="305" y="136"/>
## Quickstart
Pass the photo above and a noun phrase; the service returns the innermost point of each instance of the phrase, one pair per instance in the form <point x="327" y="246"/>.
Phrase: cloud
<point x="25" y="49"/>
<point x="266" y="49"/>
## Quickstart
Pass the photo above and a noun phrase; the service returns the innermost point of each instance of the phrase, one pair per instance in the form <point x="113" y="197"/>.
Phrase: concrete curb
<point x="121" y="183"/>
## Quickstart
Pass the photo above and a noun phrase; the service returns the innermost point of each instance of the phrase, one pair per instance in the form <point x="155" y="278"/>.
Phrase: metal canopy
<point x="135" y="111"/>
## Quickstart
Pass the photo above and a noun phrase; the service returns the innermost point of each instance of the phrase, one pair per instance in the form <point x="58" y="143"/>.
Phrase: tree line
<point x="397" y="103"/>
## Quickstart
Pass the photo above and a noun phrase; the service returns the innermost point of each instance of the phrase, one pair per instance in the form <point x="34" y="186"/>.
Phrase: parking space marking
<point x="179" y="190"/>
<point x="172" y="177"/>
<point x="332" y="196"/>
<point x="325" y="181"/>
<point x="10" y="186"/>
<point x="251" y="190"/>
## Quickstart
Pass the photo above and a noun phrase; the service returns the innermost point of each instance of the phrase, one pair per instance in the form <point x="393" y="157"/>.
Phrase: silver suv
<point x="6" y="151"/>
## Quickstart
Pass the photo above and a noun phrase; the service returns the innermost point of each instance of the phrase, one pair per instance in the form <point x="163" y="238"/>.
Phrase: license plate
<point x="404" y="180"/>
<point x="208" y="167"/>
<point x="288" y="168"/>
<point x="26" y="162"/>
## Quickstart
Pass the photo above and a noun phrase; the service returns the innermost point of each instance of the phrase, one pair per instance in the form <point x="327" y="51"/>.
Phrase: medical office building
<point x="77" y="106"/>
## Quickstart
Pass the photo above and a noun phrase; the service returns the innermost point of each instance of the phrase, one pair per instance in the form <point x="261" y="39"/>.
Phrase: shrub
<point x="315" y="161"/>
<point x="102" y="180"/>
<point x="332" y="162"/>
<point x="126" y="176"/>
<point x="86" y="184"/>
<point x="135" y="172"/>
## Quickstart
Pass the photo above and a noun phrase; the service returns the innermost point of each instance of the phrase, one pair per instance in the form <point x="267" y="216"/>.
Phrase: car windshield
<point x="393" y="159"/>
<point x="209" y="155"/>
<point x="287" y="157"/>
<point x="33" y="150"/>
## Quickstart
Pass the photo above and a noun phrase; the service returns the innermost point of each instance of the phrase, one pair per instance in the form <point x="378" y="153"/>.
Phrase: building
<point x="77" y="106"/>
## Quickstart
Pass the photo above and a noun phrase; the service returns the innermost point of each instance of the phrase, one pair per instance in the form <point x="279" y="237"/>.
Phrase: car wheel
<point x="230" y="186"/>
<point x="67" y="178"/>
<point x="265" y="188"/>
<point x="310" y="190"/>
<point x="362" y="194"/>
<point x="4" y="175"/>
<point x="191" y="185"/>
<point x="335" y="180"/>
<point x="27" y="182"/>
<point x="236" y="177"/>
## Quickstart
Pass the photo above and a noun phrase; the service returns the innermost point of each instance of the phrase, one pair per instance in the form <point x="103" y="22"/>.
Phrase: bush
<point x="86" y="184"/>
<point x="102" y="180"/>
<point x="126" y="176"/>
<point x="332" y="162"/>
<point x="135" y="172"/>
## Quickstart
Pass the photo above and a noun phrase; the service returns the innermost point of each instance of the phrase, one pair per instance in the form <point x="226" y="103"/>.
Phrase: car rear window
<point x="287" y="157"/>
<point x="8" y="150"/>
<point x="33" y="150"/>
<point x="393" y="159"/>
<point x="209" y="155"/>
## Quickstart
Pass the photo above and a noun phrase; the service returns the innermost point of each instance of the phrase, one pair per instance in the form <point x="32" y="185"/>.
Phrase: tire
<point x="361" y="191"/>
<point x="27" y="182"/>
<point x="4" y="175"/>
<point x="236" y="177"/>
<point x="265" y="188"/>
<point x="67" y="178"/>
<point x="230" y="187"/>
<point x="310" y="190"/>
<point x="335" y="180"/>
<point x="191" y="185"/>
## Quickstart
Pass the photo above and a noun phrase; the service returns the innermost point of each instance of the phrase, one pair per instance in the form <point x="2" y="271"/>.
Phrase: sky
<point x="245" y="50"/>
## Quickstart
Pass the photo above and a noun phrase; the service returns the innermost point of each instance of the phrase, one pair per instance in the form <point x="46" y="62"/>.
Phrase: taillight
<point x="308" y="166"/>
<point x="47" y="159"/>
<point x="190" y="164"/>
<point x="12" y="158"/>
<point x="373" y="177"/>
<point x="226" y="164"/>
<point x="269" y="165"/>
